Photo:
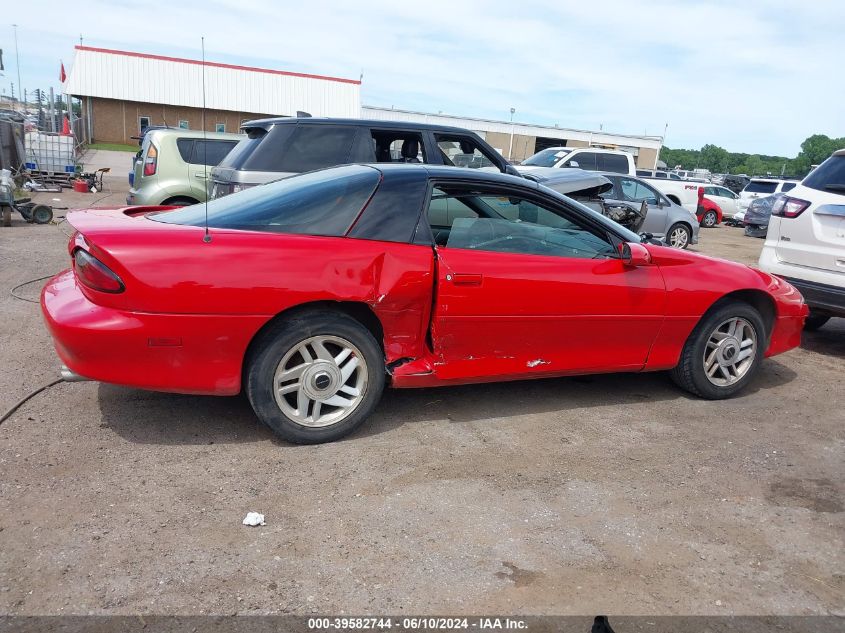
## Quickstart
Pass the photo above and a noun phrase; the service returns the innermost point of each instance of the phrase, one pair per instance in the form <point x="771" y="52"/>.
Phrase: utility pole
<point x="660" y="147"/>
<point x="17" y="58"/>
<point x="510" y="149"/>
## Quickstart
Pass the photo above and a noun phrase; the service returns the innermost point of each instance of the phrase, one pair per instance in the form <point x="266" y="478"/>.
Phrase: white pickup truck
<point x="682" y="192"/>
<point x="587" y="158"/>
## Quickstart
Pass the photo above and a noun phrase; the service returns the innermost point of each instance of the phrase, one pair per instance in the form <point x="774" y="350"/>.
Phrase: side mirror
<point x="634" y="255"/>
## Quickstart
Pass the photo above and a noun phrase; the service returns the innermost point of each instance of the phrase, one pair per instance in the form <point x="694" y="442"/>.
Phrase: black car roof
<point x="383" y="125"/>
<point x="454" y="173"/>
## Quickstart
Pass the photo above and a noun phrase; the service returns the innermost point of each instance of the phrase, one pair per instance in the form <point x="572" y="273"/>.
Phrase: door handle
<point x="199" y="174"/>
<point x="465" y="279"/>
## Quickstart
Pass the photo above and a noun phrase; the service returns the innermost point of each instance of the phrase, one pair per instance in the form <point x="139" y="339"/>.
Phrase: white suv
<point x="805" y="243"/>
<point x="761" y="188"/>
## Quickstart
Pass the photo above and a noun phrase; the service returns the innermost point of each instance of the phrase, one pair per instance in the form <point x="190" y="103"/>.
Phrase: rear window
<point x="829" y="176"/>
<point x="317" y="203"/>
<point x="614" y="162"/>
<point x="759" y="186"/>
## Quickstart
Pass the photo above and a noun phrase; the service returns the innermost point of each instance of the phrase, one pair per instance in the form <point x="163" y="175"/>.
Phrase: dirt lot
<point x="584" y="495"/>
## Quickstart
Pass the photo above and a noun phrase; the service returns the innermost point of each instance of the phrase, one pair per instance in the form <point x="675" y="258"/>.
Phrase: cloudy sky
<point x="755" y="76"/>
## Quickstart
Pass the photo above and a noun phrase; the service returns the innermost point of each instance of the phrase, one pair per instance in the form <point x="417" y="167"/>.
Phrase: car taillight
<point x="95" y="274"/>
<point x="787" y="207"/>
<point x="151" y="161"/>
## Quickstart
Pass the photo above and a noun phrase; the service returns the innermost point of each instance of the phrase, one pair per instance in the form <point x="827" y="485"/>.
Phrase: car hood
<point x="568" y="180"/>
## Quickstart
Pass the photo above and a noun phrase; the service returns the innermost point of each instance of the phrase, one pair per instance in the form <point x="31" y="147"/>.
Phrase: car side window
<point x="636" y="191"/>
<point x="583" y="160"/>
<point x="474" y="220"/>
<point x="210" y="152"/>
<point x="185" y="147"/>
<point x="315" y="147"/>
<point x="398" y="147"/>
<point x="613" y="162"/>
<point x="460" y="151"/>
<point x="788" y="186"/>
<point x="711" y="191"/>
<point x="661" y="174"/>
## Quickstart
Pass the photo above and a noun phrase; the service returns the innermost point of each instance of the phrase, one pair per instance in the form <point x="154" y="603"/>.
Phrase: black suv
<point x="280" y="147"/>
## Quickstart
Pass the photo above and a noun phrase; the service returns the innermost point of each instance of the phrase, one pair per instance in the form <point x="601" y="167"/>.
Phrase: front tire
<point x="679" y="235"/>
<point x="723" y="353"/>
<point x="315" y="377"/>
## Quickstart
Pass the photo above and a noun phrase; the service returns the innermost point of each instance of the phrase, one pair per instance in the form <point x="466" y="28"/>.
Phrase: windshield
<point x="324" y="202"/>
<point x="829" y="176"/>
<point x="546" y="158"/>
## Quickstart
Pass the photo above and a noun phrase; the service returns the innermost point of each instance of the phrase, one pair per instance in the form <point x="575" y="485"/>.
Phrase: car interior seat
<point x="410" y="150"/>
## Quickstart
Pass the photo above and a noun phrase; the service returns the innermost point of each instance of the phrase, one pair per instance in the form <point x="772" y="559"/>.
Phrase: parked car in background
<point x="344" y="282"/>
<point x="735" y="183"/>
<point x="279" y="147"/>
<point x="757" y="215"/>
<point x="586" y="188"/>
<point x="652" y="173"/>
<point x="708" y="213"/>
<point x="697" y="175"/>
<point x="665" y="219"/>
<point x="588" y="158"/>
<point x="726" y="200"/>
<point x="682" y="192"/>
<point x="762" y="187"/>
<point x="805" y="243"/>
<point x="176" y="165"/>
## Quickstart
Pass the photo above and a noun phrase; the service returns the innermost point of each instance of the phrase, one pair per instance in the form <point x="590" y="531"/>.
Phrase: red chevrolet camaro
<point x="312" y="292"/>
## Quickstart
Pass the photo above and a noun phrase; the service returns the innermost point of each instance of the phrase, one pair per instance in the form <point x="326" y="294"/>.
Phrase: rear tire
<point x="815" y="321"/>
<point x="315" y="377"/>
<point x="679" y="235"/>
<point x="709" y="220"/>
<point x="718" y="361"/>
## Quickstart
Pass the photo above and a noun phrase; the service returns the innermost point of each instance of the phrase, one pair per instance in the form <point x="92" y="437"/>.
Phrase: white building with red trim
<point x="122" y="92"/>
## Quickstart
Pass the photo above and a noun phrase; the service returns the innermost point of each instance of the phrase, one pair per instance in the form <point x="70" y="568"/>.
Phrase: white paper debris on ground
<point x="254" y="518"/>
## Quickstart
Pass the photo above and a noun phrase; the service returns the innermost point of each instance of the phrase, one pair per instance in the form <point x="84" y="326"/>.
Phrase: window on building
<point x="183" y="124"/>
<point x="143" y="123"/>
<point x="220" y="127"/>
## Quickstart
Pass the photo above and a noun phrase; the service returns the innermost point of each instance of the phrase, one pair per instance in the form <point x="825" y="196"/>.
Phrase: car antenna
<point x="207" y="237"/>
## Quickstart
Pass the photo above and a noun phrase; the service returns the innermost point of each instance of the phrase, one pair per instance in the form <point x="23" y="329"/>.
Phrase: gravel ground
<point x="612" y="493"/>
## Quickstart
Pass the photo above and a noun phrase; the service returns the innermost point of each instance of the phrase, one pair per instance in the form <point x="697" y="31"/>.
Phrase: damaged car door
<point x="527" y="285"/>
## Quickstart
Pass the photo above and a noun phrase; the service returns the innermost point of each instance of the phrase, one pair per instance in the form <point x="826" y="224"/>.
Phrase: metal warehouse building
<point x="122" y="92"/>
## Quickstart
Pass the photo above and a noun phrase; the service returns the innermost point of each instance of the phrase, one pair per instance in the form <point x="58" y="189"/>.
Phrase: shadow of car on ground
<point x="147" y="417"/>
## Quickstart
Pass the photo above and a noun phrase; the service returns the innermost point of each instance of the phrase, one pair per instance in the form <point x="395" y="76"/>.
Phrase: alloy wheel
<point x="678" y="237"/>
<point x="320" y="381"/>
<point x="730" y="352"/>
